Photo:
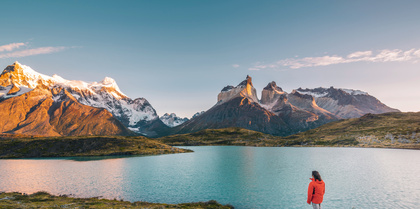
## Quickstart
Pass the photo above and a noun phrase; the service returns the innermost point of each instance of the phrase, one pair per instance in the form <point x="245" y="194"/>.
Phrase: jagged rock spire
<point x="244" y="89"/>
<point x="271" y="93"/>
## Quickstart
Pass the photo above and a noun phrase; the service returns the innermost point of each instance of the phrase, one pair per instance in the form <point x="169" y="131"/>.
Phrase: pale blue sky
<point x="180" y="54"/>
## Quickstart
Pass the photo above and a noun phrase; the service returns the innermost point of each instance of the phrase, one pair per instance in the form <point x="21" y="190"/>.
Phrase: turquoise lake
<point x="245" y="177"/>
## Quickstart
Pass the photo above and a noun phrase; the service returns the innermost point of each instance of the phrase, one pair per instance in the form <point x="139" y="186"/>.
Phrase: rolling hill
<point x="388" y="130"/>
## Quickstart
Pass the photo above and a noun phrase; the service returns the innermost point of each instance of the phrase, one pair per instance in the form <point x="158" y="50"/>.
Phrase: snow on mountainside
<point x="105" y="94"/>
<point x="354" y="92"/>
<point x="322" y="92"/>
<point x="172" y="120"/>
<point x="346" y="103"/>
<point x="197" y="114"/>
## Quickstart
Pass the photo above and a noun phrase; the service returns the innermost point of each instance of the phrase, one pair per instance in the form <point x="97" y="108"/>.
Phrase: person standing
<point x="316" y="190"/>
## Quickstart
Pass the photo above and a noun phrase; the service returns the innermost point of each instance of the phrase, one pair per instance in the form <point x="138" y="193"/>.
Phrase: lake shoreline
<point x="389" y="130"/>
<point x="303" y="146"/>
<point x="25" y="147"/>
<point x="44" y="199"/>
<point x="114" y="156"/>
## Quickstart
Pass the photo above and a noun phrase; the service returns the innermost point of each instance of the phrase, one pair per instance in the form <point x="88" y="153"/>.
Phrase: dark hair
<point x="316" y="175"/>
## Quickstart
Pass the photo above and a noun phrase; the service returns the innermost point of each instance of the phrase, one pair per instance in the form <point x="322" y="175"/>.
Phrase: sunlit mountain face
<point x="136" y="114"/>
<point x="38" y="104"/>
<point x="282" y="113"/>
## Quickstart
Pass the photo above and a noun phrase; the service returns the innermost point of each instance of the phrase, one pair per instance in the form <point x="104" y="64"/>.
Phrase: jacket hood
<point x="316" y="181"/>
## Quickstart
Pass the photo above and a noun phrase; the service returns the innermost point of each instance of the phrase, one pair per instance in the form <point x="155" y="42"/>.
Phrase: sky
<point x="180" y="54"/>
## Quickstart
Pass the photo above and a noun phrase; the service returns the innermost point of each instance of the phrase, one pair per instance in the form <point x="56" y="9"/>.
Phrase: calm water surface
<point x="246" y="177"/>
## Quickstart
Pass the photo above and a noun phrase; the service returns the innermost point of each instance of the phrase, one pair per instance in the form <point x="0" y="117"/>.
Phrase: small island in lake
<point x="81" y="146"/>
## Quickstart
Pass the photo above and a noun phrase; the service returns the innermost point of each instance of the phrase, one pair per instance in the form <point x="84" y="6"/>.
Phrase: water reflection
<point x="85" y="179"/>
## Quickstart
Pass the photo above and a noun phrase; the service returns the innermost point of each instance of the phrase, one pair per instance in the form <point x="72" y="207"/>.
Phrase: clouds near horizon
<point x="12" y="50"/>
<point x="10" y="47"/>
<point x="385" y="55"/>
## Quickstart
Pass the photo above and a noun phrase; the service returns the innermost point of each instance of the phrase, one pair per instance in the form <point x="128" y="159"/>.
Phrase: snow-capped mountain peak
<point x="197" y="114"/>
<point x="18" y="79"/>
<point x="346" y="103"/>
<point x="354" y="92"/>
<point x="172" y="120"/>
<point x="22" y="75"/>
<point x="109" y="83"/>
<point x="323" y="92"/>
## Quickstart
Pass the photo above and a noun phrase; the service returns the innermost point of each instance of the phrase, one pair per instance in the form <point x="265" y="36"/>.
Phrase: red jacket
<point x="316" y="191"/>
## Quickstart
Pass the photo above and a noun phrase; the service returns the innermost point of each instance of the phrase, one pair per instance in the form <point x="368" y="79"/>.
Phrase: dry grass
<point x="83" y="146"/>
<point x="44" y="200"/>
<point x="389" y="130"/>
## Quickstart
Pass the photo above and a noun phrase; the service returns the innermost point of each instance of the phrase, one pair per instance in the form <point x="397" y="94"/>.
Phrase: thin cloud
<point x="235" y="65"/>
<point x="359" y="54"/>
<point x="31" y="52"/>
<point x="11" y="47"/>
<point x="386" y="55"/>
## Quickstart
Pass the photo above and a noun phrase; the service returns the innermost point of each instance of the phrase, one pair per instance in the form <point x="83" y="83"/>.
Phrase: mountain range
<point x="35" y="104"/>
<point x="281" y="113"/>
<point x="172" y="120"/>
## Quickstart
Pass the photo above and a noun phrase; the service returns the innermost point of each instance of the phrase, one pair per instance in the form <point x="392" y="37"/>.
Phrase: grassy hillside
<point x="399" y="130"/>
<point x="224" y="136"/>
<point x="45" y="200"/>
<point x="393" y="130"/>
<point x="27" y="147"/>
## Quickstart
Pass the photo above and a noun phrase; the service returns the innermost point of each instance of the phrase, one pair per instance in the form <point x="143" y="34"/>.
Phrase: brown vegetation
<point x="388" y="130"/>
<point x="14" y="200"/>
<point x="82" y="146"/>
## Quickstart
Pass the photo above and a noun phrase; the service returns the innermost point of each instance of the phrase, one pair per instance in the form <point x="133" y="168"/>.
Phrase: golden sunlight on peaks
<point x="243" y="101"/>
<point x="17" y="65"/>
<point x="312" y="118"/>
<point x="249" y="89"/>
<point x="249" y="85"/>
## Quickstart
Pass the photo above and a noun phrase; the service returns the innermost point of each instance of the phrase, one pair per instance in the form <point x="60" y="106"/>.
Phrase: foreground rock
<point x="45" y="200"/>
